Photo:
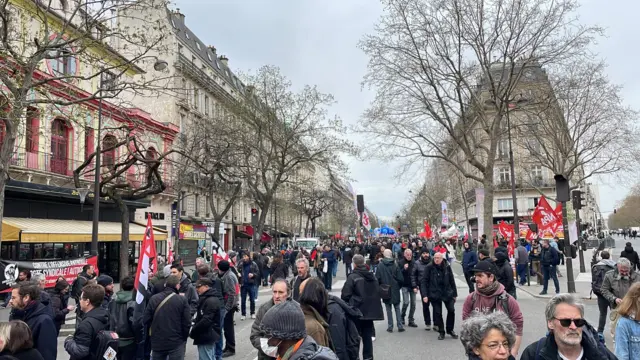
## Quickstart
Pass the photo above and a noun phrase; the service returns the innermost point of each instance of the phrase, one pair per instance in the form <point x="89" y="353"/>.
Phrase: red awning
<point x="266" y="237"/>
<point x="249" y="230"/>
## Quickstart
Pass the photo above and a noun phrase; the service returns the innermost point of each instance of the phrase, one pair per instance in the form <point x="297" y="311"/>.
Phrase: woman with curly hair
<point x="488" y="337"/>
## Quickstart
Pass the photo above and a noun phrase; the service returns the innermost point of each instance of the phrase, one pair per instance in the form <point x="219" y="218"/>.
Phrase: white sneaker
<point x="253" y="316"/>
<point x="242" y="318"/>
<point x="373" y="338"/>
<point x="255" y="301"/>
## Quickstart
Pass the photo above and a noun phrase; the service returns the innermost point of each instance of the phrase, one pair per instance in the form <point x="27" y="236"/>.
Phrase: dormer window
<point x="187" y="35"/>
<point x="198" y="45"/>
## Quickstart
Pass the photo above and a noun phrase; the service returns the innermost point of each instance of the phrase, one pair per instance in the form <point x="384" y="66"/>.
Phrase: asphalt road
<point x="413" y="344"/>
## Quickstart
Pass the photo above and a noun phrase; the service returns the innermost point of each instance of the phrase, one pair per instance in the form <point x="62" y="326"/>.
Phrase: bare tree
<point x="314" y="202"/>
<point x="130" y="171"/>
<point x="287" y="134"/>
<point x="577" y="125"/>
<point x="445" y="73"/>
<point x="56" y="54"/>
<point x="626" y="214"/>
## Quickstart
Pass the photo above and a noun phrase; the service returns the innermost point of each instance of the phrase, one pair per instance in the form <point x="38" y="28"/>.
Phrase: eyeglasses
<point x="495" y="345"/>
<point x="577" y="322"/>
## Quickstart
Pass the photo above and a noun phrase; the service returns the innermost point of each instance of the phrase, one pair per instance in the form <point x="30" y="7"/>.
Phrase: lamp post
<point x="159" y="65"/>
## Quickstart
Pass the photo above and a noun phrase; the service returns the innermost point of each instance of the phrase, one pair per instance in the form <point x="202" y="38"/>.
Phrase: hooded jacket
<point x="361" y="291"/>
<point x="602" y="267"/>
<point x="547" y="349"/>
<point x="342" y="320"/>
<point x="489" y="303"/>
<point x="43" y="330"/>
<point x="206" y="330"/>
<point x="310" y="350"/>
<point x="388" y="273"/>
<point x="59" y="303"/>
<point x="469" y="259"/>
<point x="505" y="273"/>
<point x="123" y="301"/>
<point x="82" y="345"/>
<point x="229" y="289"/>
<point x="632" y="255"/>
<point x="189" y="291"/>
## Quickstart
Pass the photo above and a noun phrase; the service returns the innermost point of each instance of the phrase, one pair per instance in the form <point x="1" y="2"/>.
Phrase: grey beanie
<point x="166" y="271"/>
<point x="284" y="321"/>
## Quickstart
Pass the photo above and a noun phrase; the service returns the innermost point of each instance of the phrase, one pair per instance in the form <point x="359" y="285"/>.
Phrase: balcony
<point x="48" y="163"/>
<point x="202" y="78"/>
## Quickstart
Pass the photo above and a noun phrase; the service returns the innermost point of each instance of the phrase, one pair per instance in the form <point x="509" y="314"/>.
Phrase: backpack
<point x="597" y="277"/>
<point x="119" y="320"/>
<point x="76" y="288"/>
<point x="502" y="298"/>
<point x="105" y="345"/>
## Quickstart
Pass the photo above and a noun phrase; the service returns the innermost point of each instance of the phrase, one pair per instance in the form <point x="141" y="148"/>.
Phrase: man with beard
<point x="186" y="287"/>
<point x="439" y="286"/>
<point x="570" y="336"/>
<point x="302" y="266"/>
<point x="491" y="296"/>
<point x="25" y="300"/>
<point x="106" y="282"/>
<point x="416" y="275"/>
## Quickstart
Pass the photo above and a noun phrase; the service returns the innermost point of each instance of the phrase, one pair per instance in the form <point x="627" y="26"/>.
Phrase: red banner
<point x="70" y="269"/>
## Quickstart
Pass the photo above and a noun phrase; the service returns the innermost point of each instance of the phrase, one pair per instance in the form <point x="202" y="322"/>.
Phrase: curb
<point x="527" y="290"/>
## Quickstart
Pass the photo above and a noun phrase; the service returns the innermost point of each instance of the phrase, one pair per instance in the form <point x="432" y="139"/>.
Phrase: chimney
<point x="179" y="15"/>
<point x="224" y="60"/>
<point x="212" y="48"/>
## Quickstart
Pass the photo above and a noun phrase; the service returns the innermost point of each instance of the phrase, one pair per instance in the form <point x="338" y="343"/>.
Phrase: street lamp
<point x="159" y="65"/>
<point x="82" y="193"/>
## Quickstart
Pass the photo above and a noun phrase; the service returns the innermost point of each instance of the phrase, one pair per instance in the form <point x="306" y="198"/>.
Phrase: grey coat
<point x="229" y="285"/>
<point x="256" y="333"/>
<point x="614" y="287"/>
<point x="389" y="273"/>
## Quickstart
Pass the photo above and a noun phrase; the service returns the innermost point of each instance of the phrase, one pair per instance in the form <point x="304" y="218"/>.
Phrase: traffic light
<point x="254" y="217"/>
<point x="577" y="199"/>
<point x="615" y="211"/>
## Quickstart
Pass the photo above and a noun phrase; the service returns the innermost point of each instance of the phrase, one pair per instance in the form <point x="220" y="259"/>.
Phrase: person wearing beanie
<point x="106" y="282"/>
<point x="416" y="274"/>
<point x="285" y="335"/>
<point x="505" y="273"/>
<point x="230" y="289"/>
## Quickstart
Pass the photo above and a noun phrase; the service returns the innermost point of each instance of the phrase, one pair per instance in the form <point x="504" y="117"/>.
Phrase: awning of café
<point x="61" y="231"/>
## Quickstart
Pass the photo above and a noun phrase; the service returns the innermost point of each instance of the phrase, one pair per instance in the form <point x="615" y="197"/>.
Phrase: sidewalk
<point x="582" y="283"/>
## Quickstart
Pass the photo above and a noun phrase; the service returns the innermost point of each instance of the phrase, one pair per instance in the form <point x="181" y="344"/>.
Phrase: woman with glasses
<point x="488" y="337"/>
<point x="628" y="325"/>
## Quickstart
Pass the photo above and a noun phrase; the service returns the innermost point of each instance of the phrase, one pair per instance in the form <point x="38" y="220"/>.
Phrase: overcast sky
<point x="315" y="42"/>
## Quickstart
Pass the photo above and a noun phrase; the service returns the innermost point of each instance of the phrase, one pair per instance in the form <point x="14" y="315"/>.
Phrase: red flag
<point x="147" y="258"/>
<point x="428" y="233"/>
<point x="544" y="216"/>
<point x="170" y="253"/>
<point x="506" y="230"/>
<point x="530" y="235"/>
<point x="218" y="252"/>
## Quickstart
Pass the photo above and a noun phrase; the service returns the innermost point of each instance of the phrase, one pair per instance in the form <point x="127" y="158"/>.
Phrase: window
<point x="534" y="146"/>
<point x="186" y="34"/>
<point x="504" y="176"/>
<point x="536" y="173"/>
<point x="197" y="204"/>
<point x="215" y="62"/>
<point x="503" y="149"/>
<point x="182" y="118"/>
<point x="206" y="105"/>
<point x="183" y="202"/>
<point x="532" y="203"/>
<point x="209" y="55"/>
<point x="64" y="63"/>
<point x="108" y="80"/>
<point x="109" y="156"/>
<point x="198" y="45"/>
<point x="59" y="146"/>
<point x="151" y="154"/>
<point x="196" y="98"/>
<point x="33" y="130"/>
<point x="505" y="205"/>
<point x="193" y="59"/>
<point x="180" y="47"/>
<point x="173" y="23"/>
<point x="89" y="146"/>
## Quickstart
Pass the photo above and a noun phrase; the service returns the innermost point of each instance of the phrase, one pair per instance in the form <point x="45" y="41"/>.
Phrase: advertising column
<point x="192" y="238"/>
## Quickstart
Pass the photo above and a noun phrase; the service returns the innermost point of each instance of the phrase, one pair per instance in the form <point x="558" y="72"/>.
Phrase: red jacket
<point x="486" y="304"/>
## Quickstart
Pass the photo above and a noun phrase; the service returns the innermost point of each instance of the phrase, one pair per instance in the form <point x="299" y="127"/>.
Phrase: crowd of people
<point x="304" y="320"/>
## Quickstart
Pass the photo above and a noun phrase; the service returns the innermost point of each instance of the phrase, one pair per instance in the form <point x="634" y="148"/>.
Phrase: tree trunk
<point x="306" y="228"/>
<point x="6" y="150"/>
<point x="488" y="209"/>
<point x="313" y="227"/>
<point x="124" y="242"/>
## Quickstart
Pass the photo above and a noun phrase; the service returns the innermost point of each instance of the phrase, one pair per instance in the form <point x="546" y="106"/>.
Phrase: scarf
<point x="489" y="290"/>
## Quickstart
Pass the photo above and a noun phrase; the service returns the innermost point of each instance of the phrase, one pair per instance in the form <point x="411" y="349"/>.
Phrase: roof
<point x="206" y="54"/>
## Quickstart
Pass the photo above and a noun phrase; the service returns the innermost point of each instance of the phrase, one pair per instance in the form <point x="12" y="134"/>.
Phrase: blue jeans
<point x="522" y="273"/>
<point x="549" y="271"/>
<point x="206" y="352"/>
<point x="334" y="269"/>
<point x="247" y="290"/>
<point x="389" y="307"/>
<point x="220" y="343"/>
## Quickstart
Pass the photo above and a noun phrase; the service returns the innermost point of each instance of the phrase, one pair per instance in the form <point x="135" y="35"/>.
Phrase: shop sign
<point x="192" y="232"/>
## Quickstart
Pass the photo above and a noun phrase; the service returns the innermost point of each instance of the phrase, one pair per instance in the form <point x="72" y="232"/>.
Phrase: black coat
<point x="389" y="273"/>
<point x="361" y="290"/>
<point x="206" y="330"/>
<point x="172" y="322"/>
<point x="82" y="345"/>
<point x="632" y="256"/>
<point x="417" y="273"/>
<point x="505" y="273"/>
<point x="406" y="273"/>
<point x="59" y="303"/>
<point x="342" y="328"/>
<point x="279" y="271"/>
<point x="29" y="354"/>
<point x="438" y="282"/>
<point x="43" y="330"/>
<point x="548" y="349"/>
<point x="347" y="258"/>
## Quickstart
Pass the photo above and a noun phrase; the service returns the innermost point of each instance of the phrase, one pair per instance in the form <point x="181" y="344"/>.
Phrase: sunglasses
<point x="567" y="322"/>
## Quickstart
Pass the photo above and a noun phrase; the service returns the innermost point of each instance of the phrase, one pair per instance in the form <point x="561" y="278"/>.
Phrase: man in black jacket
<point x="186" y="288"/>
<point x="419" y="268"/>
<point x="302" y="266"/>
<point x="206" y="330"/>
<point x="632" y="255"/>
<point x="25" y="301"/>
<point x="440" y="286"/>
<point x="249" y="277"/>
<point x="168" y="318"/>
<point x="505" y="274"/>
<point x="81" y="345"/>
<point x="347" y="258"/>
<point x="361" y="291"/>
<point x="407" y="264"/>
